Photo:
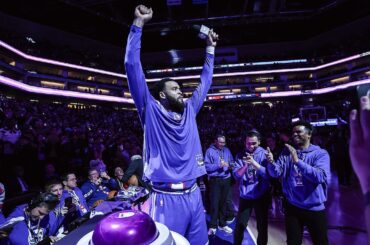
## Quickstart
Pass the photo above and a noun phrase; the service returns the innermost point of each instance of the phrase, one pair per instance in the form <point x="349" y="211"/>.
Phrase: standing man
<point x="217" y="160"/>
<point x="172" y="152"/>
<point x="254" y="188"/>
<point x="305" y="172"/>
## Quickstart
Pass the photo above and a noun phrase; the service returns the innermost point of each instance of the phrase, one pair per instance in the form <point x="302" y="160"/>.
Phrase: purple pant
<point x="182" y="213"/>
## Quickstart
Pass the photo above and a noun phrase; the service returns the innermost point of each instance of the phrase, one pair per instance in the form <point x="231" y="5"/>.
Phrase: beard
<point x="176" y="105"/>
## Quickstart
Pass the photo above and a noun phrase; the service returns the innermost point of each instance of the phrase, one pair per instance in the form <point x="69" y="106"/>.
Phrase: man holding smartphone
<point x="254" y="188"/>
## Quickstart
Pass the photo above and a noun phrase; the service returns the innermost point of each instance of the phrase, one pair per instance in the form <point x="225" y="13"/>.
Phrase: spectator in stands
<point x="98" y="163"/>
<point x="96" y="189"/>
<point x="71" y="190"/>
<point x="50" y="172"/>
<point x="34" y="228"/>
<point x="118" y="173"/>
<point x="57" y="215"/>
<point x="305" y="173"/>
<point x="16" y="184"/>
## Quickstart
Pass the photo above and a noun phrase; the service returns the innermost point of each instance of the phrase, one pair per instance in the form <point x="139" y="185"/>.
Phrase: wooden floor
<point x="345" y="218"/>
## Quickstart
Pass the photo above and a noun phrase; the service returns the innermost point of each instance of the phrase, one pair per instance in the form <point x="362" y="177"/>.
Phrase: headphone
<point x="46" y="197"/>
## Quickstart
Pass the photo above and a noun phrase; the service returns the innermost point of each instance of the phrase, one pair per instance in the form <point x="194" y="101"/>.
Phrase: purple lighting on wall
<point x="48" y="91"/>
<point x="59" y="63"/>
<point x="84" y="68"/>
<point x="315" y="91"/>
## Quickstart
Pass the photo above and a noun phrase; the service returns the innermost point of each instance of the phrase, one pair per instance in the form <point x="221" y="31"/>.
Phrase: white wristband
<point x="210" y="50"/>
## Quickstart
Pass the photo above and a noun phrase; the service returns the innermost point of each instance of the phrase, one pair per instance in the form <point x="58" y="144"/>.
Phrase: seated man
<point x="71" y="190"/>
<point x="57" y="215"/>
<point x="96" y="189"/>
<point x="118" y="174"/>
<point x="33" y="228"/>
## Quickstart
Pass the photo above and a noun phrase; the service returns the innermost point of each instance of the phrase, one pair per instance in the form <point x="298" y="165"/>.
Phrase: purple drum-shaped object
<point x="125" y="227"/>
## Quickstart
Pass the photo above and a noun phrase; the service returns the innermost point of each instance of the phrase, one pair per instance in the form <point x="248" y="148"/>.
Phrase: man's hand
<point x="97" y="181"/>
<point x="104" y="175"/>
<point x="212" y="38"/>
<point x="250" y="160"/>
<point x="53" y="239"/>
<point x="223" y="163"/>
<point x="269" y="155"/>
<point x="360" y="143"/>
<point x="142" y="15"/>
<point x="293" y="153"/>
<point x="64" y="210"/>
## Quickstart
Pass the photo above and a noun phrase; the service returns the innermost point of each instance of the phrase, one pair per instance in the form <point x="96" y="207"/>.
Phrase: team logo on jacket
<point x="298" y="176"/>
<point x="199" y="159"/>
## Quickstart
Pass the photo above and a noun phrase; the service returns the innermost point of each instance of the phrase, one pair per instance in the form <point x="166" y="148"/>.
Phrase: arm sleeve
<point x="211" y="166"/>
<point x="263" y="171"/>
<point x="87" y="191"/>
<point x="320" y="172"/>
<point x="238" y="165"/>
<point x="135" y="75"/>
<point x="276" y="169"/>
<point x="201" y="91"/>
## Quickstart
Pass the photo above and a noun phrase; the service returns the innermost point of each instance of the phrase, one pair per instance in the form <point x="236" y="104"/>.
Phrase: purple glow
<point x="315" y="91"/>
<point x="84" y="68"/>
<point x="49" y="91"/>
<point x="281" y="94"/>
<point x="340" y="87"/>
<point x="59" y="63"/>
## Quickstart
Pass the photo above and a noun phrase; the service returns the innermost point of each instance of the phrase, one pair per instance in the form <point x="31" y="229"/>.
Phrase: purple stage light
<point x="48" y="91"/>
<point x="84" y="68"/>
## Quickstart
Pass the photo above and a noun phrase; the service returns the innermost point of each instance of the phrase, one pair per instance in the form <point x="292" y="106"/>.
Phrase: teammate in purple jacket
<point x="173" y="156"/>
<point x="254" y="188"/>
<point x="217" y="161"/>
<point x="305" y="173"/>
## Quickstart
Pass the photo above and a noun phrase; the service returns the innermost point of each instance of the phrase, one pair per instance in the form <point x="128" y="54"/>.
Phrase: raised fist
<point x="142" y="15"/>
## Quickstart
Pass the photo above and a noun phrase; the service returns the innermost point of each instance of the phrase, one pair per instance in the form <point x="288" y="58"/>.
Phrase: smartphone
<point x="68" y="202"/>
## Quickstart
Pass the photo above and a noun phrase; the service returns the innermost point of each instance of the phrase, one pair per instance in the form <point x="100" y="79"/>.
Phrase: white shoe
<point x="230" y="221"/>
<point x="226" y="229"/>
<point x="212" y="231"/>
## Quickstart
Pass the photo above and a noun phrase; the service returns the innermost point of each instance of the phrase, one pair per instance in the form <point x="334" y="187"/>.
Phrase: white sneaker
<point x="226" y="229"/>
<point x="212" y="231"/>
<point x="230" y="221"/>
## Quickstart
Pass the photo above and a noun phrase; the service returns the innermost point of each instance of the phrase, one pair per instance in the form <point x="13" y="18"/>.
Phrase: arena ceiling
<point x="237" y="21"/>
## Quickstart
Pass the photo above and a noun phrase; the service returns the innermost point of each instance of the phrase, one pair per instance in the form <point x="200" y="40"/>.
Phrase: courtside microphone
<point x="203" y="31"/>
